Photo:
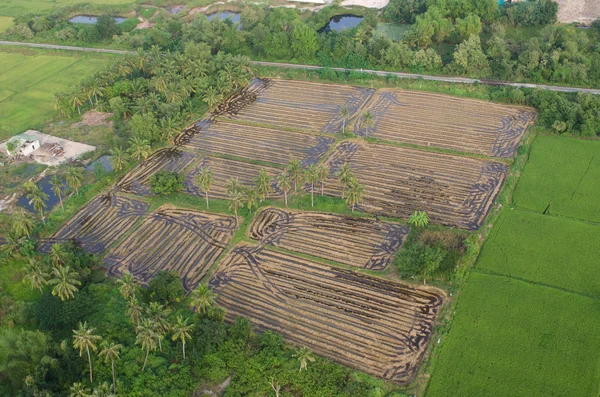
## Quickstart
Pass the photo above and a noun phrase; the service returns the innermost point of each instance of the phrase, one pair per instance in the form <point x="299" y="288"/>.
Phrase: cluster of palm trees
<point x="160" y="83"/>
<point x="352" y="190"/>
<point x="60" y="276"/>
<point x="139" y="149"/>
<point x="367" y="120"/>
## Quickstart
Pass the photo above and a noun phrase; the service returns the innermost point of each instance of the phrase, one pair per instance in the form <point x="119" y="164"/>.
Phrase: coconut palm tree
<point x="140" y="148"/>
<point x="344" y="176"/>
<point x="419" y="219"/>
<point x="233" y="186"/>
<point x="78" y="390"/>
<point x="170" y="126"/>
<point x="343" y="113"/>
<point x="355" y="192"/>
<point x="35" y="275"/>
<point x="304" y="355"/>
<point x="38" y="199"/>
<point x="76" y="100"/>
<point x="128" y="285"/>
<point x="146" y="338"/>
<point x="22" y="224"/>
<point x="134" y="310"/>
<point x="212" y="97"/>
<point x="202" y="298"/>
<point x="159" y="317"/>
<point x="65" y="282"/>
<point x="284" y="183"/>
<point x="323" y="172"/>
<point x="74" y="178"/>
<point x="368" y="121"/>
<point x="312" y="176"/>
<point x="110" y="352"/>
<point x="119" y="158"/>
<point x="59" y="101"/>
<point x="295" y="171"/>
<point x="250" y="199"/>
<point x="84" y="339"/>
<point x="102" y="390"/>
<point x="181" y="331"/>
<point x="57" y="255"/>
<point x="56" y="183"/>
<point x="235" y="202"/>
<point x="95" y="90"/>
<point x="263" y="184"/>
<point x="203" y="180"/>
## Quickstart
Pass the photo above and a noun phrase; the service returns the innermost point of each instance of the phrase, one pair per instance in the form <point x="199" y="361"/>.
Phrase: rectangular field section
<point x="455" y="191"/>
<point x="370" y="324"/>
<point x="100" y="223"/>
<point x="257" y="143"/>
<point x="297" y="104"/>
<point x="186" y="241"/>
<point x="360" y="242"/>
<point x="446" y="122"/>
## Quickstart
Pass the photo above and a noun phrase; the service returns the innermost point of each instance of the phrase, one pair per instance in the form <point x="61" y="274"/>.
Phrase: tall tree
<point x="202" y="298"/>
<point x="74" y="178"/>
<point x="56" y="183"/>
<point x="250" y="199"/>
<point x="65" y="282"/>
<point x="159" y="315"/>
<point x="134" y="310"/>
<point x="119" y="158"/>
<point x="146" y="338"/>
<point x="38" y="199"/>
<point x="355" y="191"/>
<point x="304" y="355"/>
<point x="235" y="202"/>
<point x="181" y="331"/>
<point x="203" y="181"/>
<point x="22" y="224"/>
<point x="78" y="390"/>
<point x="284" y="183"/>
<point x="84" y="339"/>
<point x="344" y="176"/>
<point x="263" y="184"/>
<point x="323" y="172"/>
<point x="76" y="100"/>
<point x="312" y="176"/>
<point x="128" y="285"/>
<point x="35" y="275"/>
<point x="295" y="171"/>
<point x="110" y="352"/>
<point x="139" y="148"/>
<point x="344" y="113"/>
<point x="368" y="121"/>
<point x="57" y="255"/>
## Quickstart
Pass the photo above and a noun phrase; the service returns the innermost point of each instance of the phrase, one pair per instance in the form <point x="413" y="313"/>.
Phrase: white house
<point x="24" y="147"/>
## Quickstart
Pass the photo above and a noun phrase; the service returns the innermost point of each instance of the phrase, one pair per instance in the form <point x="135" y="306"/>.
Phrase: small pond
<point x="90" y="20"/>
<point x="104" y="160"/>
<point x="174" y="9"/>
<point x="341" y="22"/>
<point x="45" y="185"/>
<point x="223" y="15"/>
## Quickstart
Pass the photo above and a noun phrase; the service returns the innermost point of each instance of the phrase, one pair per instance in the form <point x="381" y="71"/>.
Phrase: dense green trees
<point x="166" y="182"/>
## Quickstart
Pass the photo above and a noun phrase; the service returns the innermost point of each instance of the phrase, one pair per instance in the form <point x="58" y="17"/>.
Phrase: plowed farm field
<point x="360" y="242"/>
<point x="446" y="122"/>
<point x="455" y="191"/>
<point x="297" y="104"/>
<point x="186" y="241"/>
<point x="100" y="223"/>
<point x="257" y="143"/>
<point x="368" y="323"/>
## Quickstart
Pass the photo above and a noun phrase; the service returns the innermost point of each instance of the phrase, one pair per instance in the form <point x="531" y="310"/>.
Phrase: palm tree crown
<point x="65" y="282"/>
<point x="84" y="339"/>
<point x="202" y="298"/>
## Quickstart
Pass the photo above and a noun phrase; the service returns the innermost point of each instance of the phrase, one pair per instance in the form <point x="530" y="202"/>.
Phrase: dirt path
<point x="461" y="80"/>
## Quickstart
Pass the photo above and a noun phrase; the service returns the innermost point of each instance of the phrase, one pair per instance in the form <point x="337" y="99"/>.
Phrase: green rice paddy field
<point x="13" y="8"/>
<point x="527" y="321"/>
<point x="5" y="23"/>
<point x="28" y="81"/>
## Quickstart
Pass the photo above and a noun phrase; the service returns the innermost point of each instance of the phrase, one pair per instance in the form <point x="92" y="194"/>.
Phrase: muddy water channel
<point x="341" y="22"/>
<point x="91" y="20"/>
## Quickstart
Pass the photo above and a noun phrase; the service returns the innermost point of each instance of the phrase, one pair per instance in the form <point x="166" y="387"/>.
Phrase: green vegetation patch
<point x="5" y="23"/>
<point x="393" y="31"/>
<point x="27" y="83"/>
<point x="14" y="8"/>
<point x="512" y="338"/>
<point x="544" y="249"/>
<point x="562" y="178"/>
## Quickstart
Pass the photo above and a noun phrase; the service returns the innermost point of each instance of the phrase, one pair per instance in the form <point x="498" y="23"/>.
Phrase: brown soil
<point x="93" y="118"/>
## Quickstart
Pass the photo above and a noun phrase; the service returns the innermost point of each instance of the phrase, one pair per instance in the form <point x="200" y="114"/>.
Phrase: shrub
<point x="166" y="182"/>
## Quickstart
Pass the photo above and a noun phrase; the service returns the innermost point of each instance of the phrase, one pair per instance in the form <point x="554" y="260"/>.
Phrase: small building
<point x="24" y="146"/>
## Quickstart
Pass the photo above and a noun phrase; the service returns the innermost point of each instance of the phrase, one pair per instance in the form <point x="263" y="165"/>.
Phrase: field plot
<point x="371" y="324"/>
<point x="223" y="169"/>
<point x="100" y="223"/>
<point x="27" y="83"/>
<point x="455" y="191"/>
<point x="297" y="104"/>
<point x="18" y="7"/>
<point x="186" y="241"/>
<point x="562" y="177"/>
<point x="257" y="143"/>
<point x="360" y="242"/>
<point x="510" y="338"/>
<point x="137" y="181"/>
<point x="447" y="122"/>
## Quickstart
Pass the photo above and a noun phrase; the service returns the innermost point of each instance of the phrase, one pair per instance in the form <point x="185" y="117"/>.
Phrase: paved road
<point x="447" y="79"/>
